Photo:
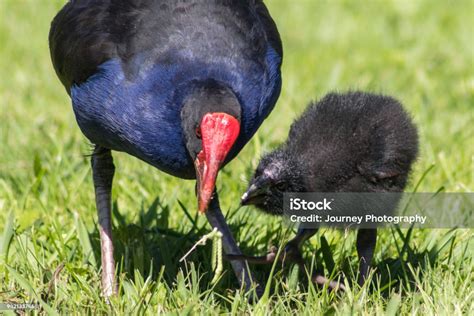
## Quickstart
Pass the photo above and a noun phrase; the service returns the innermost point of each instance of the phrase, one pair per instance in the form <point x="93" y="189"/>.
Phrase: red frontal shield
<point x="219" y="132"/>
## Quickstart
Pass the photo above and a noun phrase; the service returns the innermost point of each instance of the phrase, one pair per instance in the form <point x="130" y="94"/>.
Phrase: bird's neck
<point x="204" y="96"/>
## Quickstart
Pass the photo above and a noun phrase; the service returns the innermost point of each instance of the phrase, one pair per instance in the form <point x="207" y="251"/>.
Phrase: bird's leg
<point x="103" y="173"/>
<point x="293" y="254"/>
<point x="293" y="247"/>
<point x="366" y="240"/>
<point x="217" y="220"/>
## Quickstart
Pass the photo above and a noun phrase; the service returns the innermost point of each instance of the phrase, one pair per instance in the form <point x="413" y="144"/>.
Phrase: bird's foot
<point x="291" y="254"/>
<point x="269" y="258"/>
<point x="332" y="285"/>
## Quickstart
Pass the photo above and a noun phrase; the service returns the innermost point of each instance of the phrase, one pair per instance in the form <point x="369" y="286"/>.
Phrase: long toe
<point x="331" y="284"/>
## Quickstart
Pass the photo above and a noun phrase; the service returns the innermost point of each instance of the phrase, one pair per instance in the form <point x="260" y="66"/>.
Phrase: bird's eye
<point x="198" y="132"/>
<point x="281" y="186"/>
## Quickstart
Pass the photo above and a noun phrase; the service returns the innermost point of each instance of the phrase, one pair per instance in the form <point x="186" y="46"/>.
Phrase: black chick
<point x="349" y="142"/>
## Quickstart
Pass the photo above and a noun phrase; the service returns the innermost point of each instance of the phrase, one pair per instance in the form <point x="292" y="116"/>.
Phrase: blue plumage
<point x="140" y="113"/>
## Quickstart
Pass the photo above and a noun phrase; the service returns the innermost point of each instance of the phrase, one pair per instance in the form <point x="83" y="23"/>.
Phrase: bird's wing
<point x="86" y="33"/>
<point x="271" y="31"/>
<point x="80" y="40"/>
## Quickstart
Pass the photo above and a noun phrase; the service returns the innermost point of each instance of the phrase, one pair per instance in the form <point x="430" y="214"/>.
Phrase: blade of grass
<point x="8" y="233"/>
<point x="83" y="236"/>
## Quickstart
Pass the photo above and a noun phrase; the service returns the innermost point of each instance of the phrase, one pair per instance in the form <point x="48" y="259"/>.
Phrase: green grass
<point x="418" y="51"/>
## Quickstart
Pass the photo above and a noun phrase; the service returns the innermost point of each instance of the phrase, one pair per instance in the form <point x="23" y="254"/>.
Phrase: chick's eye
<point x="281" y="186"/>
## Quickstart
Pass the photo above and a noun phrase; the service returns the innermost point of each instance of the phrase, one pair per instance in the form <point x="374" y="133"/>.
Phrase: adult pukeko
<point x="181" y="85"/>
<point x="350" y="142"/>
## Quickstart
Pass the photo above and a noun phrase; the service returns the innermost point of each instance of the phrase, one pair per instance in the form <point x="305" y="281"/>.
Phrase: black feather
<point x="86" y="33"/>
<point x="350" y="142"/>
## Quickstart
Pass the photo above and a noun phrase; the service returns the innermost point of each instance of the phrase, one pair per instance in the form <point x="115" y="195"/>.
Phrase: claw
<point x="332" y="285"/>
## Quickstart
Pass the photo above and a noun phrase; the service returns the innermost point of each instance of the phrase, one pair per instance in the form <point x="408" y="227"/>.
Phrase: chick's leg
<point x="366" y="240"/>
<point x="293" y="247"/>
<point x="103" y="172"/>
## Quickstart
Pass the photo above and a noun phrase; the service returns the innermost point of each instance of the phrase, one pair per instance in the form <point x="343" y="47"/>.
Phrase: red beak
<point x="219" y="132"/>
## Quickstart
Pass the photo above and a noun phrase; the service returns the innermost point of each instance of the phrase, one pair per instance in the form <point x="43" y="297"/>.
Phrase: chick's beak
<point x="219" y="132"/>
<point x="254" y="193"/>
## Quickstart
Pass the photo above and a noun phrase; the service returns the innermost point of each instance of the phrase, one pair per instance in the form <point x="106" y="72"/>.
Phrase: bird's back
<point x="86" y="33"/>
<point x="351" y="140"/>
<point x="127" y="65"/>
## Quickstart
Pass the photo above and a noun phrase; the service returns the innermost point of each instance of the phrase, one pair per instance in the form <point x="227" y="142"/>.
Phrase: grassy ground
<point x="419" y="51"/>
